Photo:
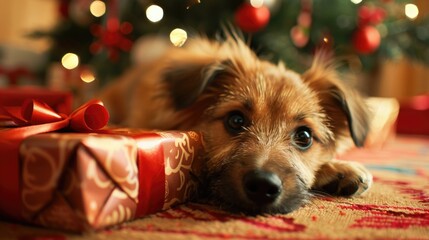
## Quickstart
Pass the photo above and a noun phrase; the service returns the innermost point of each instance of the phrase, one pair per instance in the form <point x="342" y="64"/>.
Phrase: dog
<point x="270" y="134"/>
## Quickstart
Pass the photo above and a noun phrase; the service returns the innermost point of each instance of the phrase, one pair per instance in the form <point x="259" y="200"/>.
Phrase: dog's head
<point x="267" y="129"/>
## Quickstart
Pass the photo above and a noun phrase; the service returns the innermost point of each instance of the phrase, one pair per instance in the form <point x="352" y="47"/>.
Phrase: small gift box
<point x="32" y="118"/>
<point x="413" y="116"/>
<point x="91" y="180"/>
<point x="78" y="182"/>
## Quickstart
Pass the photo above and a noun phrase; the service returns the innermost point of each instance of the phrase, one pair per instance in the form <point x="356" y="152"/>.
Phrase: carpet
<point x="396" y="207"/>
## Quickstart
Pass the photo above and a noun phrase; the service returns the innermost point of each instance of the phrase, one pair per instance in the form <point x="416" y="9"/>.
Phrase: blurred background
<point x="80" y="45"/>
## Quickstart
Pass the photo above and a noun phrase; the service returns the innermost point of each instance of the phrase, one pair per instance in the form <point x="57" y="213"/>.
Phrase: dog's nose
<point x="262" y="187"/>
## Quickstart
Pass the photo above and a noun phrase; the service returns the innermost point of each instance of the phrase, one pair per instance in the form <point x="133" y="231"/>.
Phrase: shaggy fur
<point x="257" y="119"/>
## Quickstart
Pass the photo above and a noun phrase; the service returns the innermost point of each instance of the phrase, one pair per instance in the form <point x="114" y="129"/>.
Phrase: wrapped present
<point x="81" y="181"/>
<point x="78" y="182"/>
<point x="35" y="117"/>
<point x="413" y="116"/>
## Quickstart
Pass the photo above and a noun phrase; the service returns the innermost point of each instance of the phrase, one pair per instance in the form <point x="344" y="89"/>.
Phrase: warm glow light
<point x="97" y="8"/>
<point x="411" y="11"/>
<point x="154" y="13"/>
<point x="356" y="1"/>
<point x="87" y="76"/>
<point x="325" y="39"/>
<point x="178" y="37"/>
<point x="70" y="60"/>
<point x="257" y="3"/>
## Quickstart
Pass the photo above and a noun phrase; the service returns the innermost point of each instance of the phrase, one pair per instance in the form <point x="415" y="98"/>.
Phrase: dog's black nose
<point x="262" y="187"/>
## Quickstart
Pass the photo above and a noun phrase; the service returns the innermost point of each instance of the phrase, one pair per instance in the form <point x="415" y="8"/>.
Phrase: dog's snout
<point x="262" y="187"/>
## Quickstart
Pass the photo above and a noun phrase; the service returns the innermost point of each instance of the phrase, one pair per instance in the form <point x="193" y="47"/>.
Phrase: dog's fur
<point x="205" y="84"/>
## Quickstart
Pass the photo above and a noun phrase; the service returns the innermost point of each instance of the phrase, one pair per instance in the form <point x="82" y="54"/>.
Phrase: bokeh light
<point x="154" y="13"/>
<point x="356" y="1"/>
<point x="411" y="10"/>
<point x="97" y="8"/>
<point x="257" y="3"/>
<point x="70" y="61"/>
<point x="178" y="37"/>
<point x="87" y="76"/>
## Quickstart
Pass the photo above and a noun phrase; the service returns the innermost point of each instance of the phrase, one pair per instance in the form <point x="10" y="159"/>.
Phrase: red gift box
<point x="413" y="117"/>
<point x="77" y="182"/>
<point x="81" y="181"/>
<point x="34" y="118"/>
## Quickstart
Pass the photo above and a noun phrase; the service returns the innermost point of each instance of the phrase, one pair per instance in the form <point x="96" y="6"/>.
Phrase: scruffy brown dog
<point x="270" y="133"/>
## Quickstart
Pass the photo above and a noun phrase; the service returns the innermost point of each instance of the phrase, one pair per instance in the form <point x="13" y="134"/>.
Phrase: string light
<point x="356" y="1"/>
<point x="411" y="11"/>
<point x="87" y="76"/>
<point x="154" y="13"/>
<point x="70" y="61"/>
<point x="178" y="37"/>
<point x="257" y="3"/>
<point x="97" y="8"/>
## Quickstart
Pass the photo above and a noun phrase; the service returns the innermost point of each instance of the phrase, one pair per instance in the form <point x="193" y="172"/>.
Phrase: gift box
<point x="84" y="181"/>
<point x="79" y="182"/>
<point x="413" y="117"/>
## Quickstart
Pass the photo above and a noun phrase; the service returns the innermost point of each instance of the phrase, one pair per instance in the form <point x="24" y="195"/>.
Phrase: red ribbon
<point x="35" y="117"/>
<point x="151" y="167"/>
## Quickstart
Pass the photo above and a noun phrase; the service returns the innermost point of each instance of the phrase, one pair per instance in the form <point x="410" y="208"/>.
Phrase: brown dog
<point x="270" y="133"/>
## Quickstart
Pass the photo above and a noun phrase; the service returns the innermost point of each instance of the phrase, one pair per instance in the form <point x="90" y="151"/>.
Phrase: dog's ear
<point x="187" y="79"/>
<point x="345" y="108"/>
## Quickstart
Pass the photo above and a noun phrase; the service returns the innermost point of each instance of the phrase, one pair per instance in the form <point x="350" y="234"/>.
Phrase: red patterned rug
<point x="397" y="206"/>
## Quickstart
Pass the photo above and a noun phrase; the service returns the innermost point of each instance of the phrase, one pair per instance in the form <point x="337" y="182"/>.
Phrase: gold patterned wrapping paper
<point x="80" y="182"/>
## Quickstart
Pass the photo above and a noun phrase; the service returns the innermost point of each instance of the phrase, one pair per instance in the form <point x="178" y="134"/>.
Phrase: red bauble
<point x="370" y="15"/>
<point x="366" y="39"/>
<point x="252" y="19"/>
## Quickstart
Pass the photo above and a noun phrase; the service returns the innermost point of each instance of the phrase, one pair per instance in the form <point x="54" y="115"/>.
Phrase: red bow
<point x="31" y="118"/>
<point x="36" y="117"/>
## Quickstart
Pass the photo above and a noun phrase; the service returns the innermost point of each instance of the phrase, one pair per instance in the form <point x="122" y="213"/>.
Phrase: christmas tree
<point x="101" y="34"/>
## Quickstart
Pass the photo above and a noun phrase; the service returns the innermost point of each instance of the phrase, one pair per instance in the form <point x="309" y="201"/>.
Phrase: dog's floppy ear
<point x="343" y="106"/>
<point x="187" y="79"/>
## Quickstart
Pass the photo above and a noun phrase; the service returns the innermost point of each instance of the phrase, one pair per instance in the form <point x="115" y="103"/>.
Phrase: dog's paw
<point x="340" y="178"/>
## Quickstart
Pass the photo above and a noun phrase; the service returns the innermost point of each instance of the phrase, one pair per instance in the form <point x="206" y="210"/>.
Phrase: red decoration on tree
<point x="112" y="37"/>
<point x="366" y="39"/>
<point x="300" y="34"/>
<point x="252" y="19"/>
<point x="370" y="15"/>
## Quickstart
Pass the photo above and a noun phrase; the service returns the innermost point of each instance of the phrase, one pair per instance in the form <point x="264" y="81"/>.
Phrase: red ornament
<point x="112" y="38"/>
<point x="366" y="39"/>
<point x="252" y="19"/>
<point x="371" y="15"/>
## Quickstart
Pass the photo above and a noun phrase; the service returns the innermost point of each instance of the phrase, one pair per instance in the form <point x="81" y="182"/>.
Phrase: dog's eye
<point x="303" y="138"/>
<point x="234" y="122"/>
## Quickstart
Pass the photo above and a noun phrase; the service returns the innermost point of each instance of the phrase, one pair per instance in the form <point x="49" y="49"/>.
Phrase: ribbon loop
<point x="35" y="112"/>
<point x="91" y="116"/>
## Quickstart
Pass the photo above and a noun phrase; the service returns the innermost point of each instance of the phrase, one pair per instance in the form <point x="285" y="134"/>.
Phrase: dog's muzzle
<point x="262" y="187"/>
